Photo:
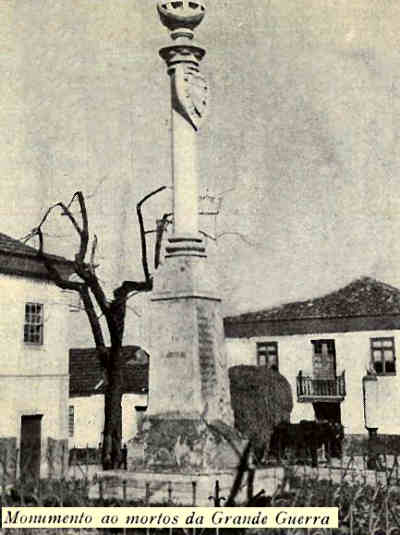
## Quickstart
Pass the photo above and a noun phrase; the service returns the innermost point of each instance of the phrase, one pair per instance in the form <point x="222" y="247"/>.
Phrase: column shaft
<point x="184" y="172"/>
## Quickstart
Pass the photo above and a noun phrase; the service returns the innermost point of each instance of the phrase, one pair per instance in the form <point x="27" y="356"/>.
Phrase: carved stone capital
<point x="182" y="53"/>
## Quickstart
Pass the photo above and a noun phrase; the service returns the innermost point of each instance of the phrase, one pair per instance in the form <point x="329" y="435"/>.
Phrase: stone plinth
<point x="189" y="418"/>
<point x="188" y="366"/>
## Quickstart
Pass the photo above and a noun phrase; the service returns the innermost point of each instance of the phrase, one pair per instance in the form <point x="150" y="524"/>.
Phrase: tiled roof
<point x="362" y="297"/>
<point x="11" y="245"/>
<point x="86" y="374"/>
<point x="16" y="258"/>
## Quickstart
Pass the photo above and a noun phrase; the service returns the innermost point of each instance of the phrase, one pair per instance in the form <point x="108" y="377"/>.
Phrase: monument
<point x="188" y="446"/>
<point x="189" y="398"/>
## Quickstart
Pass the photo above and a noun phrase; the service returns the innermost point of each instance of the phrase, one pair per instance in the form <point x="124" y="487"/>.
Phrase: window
<point x="267" y="354"/>
<point x="323" y="347"/>
<point x="383" y="356"/>
<point x="33" y="327"/>
<point x="71" y="420"/>
<point x="324" y="359"/>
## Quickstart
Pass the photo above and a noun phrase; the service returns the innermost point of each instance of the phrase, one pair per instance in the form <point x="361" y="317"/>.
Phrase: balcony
<point x="314" y="390"/>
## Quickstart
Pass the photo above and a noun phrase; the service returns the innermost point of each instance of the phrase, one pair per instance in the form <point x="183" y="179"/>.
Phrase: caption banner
<point x="165" y="517"/>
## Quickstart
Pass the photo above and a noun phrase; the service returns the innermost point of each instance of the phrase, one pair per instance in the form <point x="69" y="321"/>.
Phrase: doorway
<point x="327" y="411"/>
<point x="30" y="447"/>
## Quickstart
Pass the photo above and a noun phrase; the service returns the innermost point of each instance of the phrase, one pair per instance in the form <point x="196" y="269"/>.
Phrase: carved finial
<point x="181" y="16"/>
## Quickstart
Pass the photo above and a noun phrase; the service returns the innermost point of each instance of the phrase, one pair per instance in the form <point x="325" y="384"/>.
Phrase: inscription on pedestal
<point x="206" y="352"/>
<point x="176" y="355"/>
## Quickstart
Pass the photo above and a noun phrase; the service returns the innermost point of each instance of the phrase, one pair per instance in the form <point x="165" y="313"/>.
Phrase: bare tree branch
<point x="207" y="235"/>
<point x="65" y="209"/>
<point x="96" y="189"/>
<point x="93" y="282"/>
<point x="92" y="316"/>
<point x="238" y="235"/>
<point x="54" y="274"/>
<point x="143" y="232"/>
<point x="161" y="227"/>
<point x="128" y="287"/>
<point x="80" y="267"/>
<point x="79" y="287"/>
<point x="84" y="232"/>
<point x="92" y="265"/>
<point x="243" y="237"/>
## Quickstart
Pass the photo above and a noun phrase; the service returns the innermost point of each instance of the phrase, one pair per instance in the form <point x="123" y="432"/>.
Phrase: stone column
<point x="189" y="95"/>
<point x="188" y="380"/>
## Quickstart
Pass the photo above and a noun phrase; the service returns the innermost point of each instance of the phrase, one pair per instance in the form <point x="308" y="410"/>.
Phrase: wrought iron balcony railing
<point x="309" y="389"/>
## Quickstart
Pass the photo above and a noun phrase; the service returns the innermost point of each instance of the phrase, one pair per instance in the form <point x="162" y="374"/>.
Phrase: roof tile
<point x="362" y="297"/>
<point x="86" y="372"/>
<point x="17" y="258"/>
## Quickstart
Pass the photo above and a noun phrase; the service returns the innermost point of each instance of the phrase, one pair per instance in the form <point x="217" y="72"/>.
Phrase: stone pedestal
<point x="189" y="417"/>
<point x="188" y="368"/>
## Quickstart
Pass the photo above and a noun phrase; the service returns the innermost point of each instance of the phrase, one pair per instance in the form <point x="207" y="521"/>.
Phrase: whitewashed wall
<point x="352" y="355"/>
<point x="89" y="419"/>
<point x="33" y="379"/>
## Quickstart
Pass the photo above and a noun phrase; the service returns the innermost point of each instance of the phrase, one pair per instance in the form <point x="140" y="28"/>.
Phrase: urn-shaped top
<point x="181" y="14"/>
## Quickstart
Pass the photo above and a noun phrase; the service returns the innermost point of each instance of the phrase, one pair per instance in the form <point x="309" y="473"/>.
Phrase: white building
<point x="34" y="359"/>
<point x="324" y="347"/>
<point x="86" y="403"/>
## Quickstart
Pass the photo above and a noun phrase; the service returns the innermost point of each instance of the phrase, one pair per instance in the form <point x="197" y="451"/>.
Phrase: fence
<point x="78" y="456"/>
<point x="368" y="500"/>
<point x="308" y="387"/>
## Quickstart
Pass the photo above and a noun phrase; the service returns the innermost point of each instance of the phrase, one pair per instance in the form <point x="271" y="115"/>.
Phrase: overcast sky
<point x="303" y="125"/>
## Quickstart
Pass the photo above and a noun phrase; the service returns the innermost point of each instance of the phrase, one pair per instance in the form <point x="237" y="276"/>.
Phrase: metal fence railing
<point x="308" y="387"/>
<point x="368" y="500"/>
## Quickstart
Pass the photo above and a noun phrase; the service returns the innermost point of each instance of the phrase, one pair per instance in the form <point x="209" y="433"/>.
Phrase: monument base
<point x="185" y="443"/>
<point x="188" y="428"/>
<point x="191" y="444"/>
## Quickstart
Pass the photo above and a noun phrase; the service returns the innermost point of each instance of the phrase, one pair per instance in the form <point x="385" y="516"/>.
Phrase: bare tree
<point x="212" y="207"/>
<point x="94" y="299"/>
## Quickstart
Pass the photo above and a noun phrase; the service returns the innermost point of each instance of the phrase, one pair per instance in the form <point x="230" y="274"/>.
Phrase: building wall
<point x="89" y="419"/>
<point x="51" y="358"/>
<point x="352" y="356"/>
<point x="23" y="396"/>
<point x="33" y="379"/>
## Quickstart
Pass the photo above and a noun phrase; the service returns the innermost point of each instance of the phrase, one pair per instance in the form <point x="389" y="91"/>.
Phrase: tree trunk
<point x="112" y="436"/>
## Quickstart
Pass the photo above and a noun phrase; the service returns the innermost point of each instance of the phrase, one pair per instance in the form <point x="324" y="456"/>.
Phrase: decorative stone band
<point x="177" y="54"/>
<point x="187" y="246"/>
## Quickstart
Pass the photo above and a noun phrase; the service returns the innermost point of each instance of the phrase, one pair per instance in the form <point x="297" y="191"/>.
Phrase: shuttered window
<point x="383" y="356"/>
<point x="267" y="354"/>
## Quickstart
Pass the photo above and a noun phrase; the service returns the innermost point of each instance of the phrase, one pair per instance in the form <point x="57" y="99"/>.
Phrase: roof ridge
<point x="11" y="245"/>
<point x="18" y="244"/>
<point x="343" y="302"/>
